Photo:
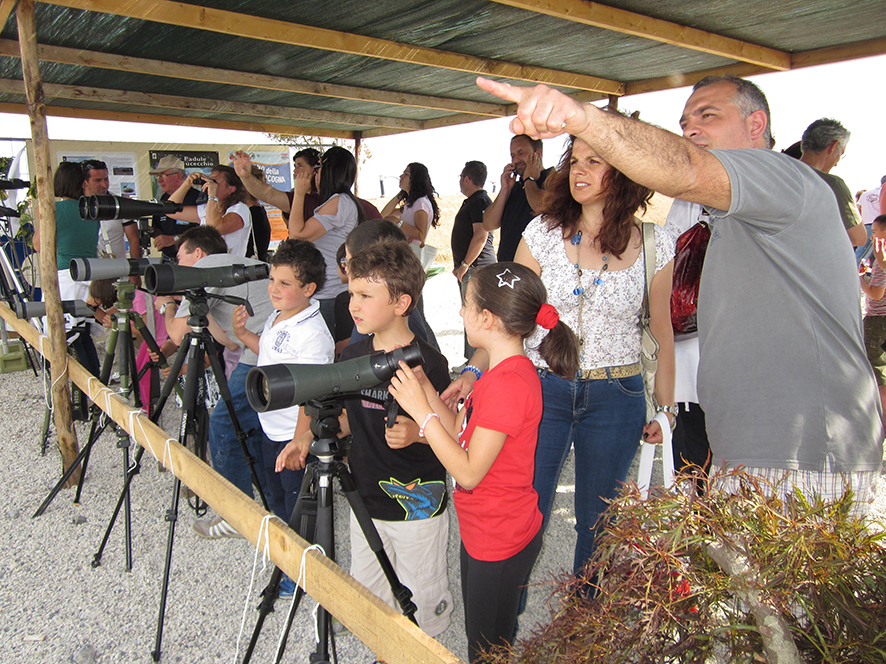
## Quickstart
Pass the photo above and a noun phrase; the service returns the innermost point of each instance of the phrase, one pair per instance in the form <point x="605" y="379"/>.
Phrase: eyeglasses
<point x="93" y="165"/>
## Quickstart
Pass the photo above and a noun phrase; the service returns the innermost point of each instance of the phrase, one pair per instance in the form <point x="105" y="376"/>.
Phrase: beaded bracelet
<point x="473" y="370"/>
<point x="421" y="429"/>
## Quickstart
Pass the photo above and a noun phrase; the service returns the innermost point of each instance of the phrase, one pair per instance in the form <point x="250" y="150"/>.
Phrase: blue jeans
<point x="604" y="420"/>
<point x="867" y="249"/>
<point x="283" y="487"/>
<point x="224" y="448"/>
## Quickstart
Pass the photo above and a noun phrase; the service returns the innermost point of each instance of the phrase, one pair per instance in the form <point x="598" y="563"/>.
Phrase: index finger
<point x="504" y="90"/>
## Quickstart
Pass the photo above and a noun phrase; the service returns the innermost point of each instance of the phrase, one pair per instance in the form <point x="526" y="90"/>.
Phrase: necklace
<point x="579" y="290"/>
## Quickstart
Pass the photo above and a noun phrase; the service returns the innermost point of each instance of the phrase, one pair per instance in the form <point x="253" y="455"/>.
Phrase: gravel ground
<point x="57" y="608"/>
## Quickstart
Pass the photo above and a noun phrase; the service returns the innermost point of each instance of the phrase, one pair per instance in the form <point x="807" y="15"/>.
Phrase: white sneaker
<point x="215" y="528"/>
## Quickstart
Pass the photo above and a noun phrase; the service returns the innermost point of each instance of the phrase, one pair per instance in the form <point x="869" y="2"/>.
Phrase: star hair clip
<point x="504" y="276"/>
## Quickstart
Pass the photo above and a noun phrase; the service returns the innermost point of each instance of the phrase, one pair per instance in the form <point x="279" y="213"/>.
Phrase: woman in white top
<point x="414" y="209"/>
<point x="587" y="247"/>
<point x="225" y="209"/>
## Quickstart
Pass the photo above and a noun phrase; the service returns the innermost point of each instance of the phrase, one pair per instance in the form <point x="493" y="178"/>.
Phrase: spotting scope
<point x="117" y="207"/>
<point x="277" y="386"/>
<point x="87" y="269"/>
<point x="166" y="278"/>
<point x="76" y="308"/>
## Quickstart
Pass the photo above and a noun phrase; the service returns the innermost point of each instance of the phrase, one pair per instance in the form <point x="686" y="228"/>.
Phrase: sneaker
<point x="287" y="588"/>
<point x="215" y="528"/>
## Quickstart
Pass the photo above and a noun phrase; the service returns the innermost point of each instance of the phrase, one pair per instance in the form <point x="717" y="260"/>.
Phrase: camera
<point x="166" y="278"/>
<point x="277" y="386"/>
<point x="116" y="207"/>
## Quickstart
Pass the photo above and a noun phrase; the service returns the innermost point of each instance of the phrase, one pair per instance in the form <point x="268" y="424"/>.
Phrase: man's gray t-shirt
<point x="255" y="292"/>
<point x="783" y="377"/>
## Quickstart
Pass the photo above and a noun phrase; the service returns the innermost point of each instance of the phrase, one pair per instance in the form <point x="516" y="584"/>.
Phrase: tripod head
<point x="125" y="294"/>
<point x="324" y="414"/>
<point x="198" y="305"/>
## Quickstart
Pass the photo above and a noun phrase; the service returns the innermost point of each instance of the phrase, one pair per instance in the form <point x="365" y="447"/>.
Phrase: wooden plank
<point x="691" y="78"/>
<point x="638" y="25"/>
<point x="283" y="32"/>
<point x="132" y="98"/>
<point x="390" y="635"/>
<point x="6" y="7"/>
<point x="824" y="56"/>
<point x="58" y="347"/>
<point x="178" y="120"/>
<point x="248" y="79"/>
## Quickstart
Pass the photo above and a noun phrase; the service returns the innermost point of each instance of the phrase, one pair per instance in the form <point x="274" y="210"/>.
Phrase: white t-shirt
<point x="111" y="239"/>
<point x="407" y="216"/>
<point x="239" y="239"/>
<point x="301" y="339"/>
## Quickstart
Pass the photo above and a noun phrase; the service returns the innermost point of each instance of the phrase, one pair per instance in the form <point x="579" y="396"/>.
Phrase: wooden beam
<point x="186" y="72"/>
<point x="824" y="56"/>
<point x="690" y="78"/>
<point x="179" y="121"/>
<point x="6" y="7"/>
<point x="283" y="32"/>
<point x="813" y="58"/>
<point x="45" y="218"/>
<point x="132" y="98"/>
<point x="638" y="25"/>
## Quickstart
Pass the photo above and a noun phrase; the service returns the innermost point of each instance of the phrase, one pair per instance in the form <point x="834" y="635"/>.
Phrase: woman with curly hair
<point x="587" y="246"/>
<point x="414" y="209"/>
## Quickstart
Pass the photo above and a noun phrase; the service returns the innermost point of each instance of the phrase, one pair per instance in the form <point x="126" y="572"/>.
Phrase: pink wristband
<point x="421" y="429"/>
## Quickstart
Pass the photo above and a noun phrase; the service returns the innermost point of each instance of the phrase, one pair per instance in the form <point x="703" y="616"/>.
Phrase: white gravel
<point x="56" y="607"/>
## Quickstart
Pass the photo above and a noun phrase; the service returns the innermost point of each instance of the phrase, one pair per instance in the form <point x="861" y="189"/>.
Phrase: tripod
<point x="312" y="519"/>
<point x="193" y="349"/>
<point x="120" y="344"/>
<point x="12" y="289"/>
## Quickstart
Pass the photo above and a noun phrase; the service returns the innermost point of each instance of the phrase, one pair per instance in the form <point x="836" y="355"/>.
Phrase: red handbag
<point x="688" y="262"/>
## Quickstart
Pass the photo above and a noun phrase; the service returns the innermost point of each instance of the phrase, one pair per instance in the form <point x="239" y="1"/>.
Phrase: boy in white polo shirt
<point x="294" y="333"/>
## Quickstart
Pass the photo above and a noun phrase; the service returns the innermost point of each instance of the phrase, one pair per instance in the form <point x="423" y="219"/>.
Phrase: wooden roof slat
<point x="6" y="7"/>
<point x="178" y="120"/>
<point x="272" y="30"/>
<point x="71" y="56"/>
<point x="14" y="86"/>
<point x="639" y="25"/>
<point x="823" y="56"/>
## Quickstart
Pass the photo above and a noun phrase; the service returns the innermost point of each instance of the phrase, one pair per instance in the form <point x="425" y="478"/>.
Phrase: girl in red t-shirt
<point x="486" y="446"/>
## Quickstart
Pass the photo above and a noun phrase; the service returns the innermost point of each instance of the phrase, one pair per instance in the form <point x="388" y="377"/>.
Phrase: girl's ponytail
<point x="559" y="348"/>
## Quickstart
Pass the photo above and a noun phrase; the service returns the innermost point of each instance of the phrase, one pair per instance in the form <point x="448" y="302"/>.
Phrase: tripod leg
<point x="94" y="434"/>
<point x="401" y="593"/>
<point x="238" y="430"/>
<point x="132" y="472"/>
<point x="171" y="517"/>
<point x="195" y="366"/>
<point x="303" y="521"/>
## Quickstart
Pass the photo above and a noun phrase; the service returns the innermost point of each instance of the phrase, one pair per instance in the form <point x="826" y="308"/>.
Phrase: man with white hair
<point x="824" y="142"/>
<point x="170" y="174"/>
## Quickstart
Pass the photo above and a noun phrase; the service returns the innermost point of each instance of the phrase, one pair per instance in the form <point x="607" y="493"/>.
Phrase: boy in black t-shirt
<point x="397" y="475"/>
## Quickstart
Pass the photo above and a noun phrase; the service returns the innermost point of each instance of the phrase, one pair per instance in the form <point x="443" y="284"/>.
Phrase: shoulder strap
<point x="648" y="264"/>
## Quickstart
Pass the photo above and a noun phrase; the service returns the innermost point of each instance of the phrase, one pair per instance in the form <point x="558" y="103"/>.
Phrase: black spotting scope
<point x="76" y="308"/>
<point x="87" y="269"/>
<point x="166" y="278"/>
<point x="117" y="207"/>
<point x="277" y="386"/>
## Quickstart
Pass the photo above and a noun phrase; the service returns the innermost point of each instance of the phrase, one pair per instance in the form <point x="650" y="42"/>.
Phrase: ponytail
<point x="518" y="298"/>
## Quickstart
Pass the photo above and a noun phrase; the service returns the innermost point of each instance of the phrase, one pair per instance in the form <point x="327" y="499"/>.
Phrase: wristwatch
<point x="164" y="306"/>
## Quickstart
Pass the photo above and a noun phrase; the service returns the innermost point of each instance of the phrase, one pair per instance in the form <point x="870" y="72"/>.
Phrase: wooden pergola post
<point x="61" y="398"/>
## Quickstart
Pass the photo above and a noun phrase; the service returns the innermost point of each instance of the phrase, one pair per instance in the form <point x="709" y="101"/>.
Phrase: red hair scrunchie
<point x="547" y="316"/>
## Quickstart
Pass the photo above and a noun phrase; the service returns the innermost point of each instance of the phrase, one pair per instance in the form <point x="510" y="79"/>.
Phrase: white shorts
<point x="417" y="550"/>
